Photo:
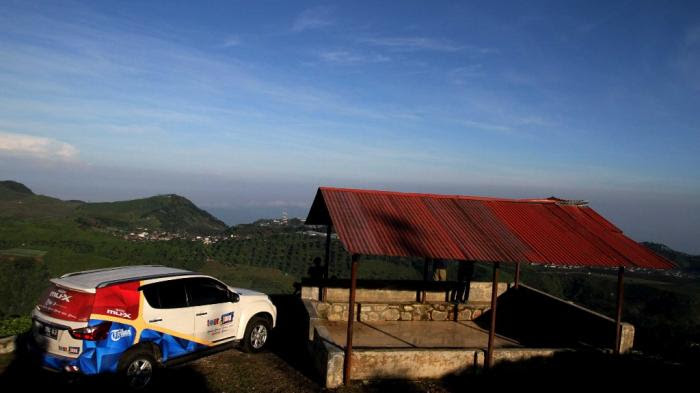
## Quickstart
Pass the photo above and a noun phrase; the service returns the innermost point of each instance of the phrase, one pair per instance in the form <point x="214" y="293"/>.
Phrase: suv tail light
<point x="92" y="333"/>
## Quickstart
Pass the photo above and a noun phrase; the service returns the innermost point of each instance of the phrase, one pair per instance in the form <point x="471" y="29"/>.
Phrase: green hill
<point x="12" y="188"/>
<point x="18" y="201"/>
<point x="681" y="259"/>
<point x="172" y="213"/>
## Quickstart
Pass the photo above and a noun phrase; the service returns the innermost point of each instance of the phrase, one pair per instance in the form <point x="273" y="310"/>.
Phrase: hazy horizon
<point x="246" y="108"/>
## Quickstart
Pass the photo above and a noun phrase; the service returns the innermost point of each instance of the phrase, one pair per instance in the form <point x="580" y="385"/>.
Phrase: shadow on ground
<point x="576" y="371"/>
<point x="25" y="373"/>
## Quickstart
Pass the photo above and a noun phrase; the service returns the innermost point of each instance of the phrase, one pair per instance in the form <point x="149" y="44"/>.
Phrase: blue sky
<point x="247" y="107"/>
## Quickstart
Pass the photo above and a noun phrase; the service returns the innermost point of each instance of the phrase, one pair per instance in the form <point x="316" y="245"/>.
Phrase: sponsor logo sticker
<point x="118" y="334"/>
<point x="60" y="294"/>
<point x="213" y="322"/>
<point x="74" y="350"/>
<point x="227" y="318"/>
<point x="118" y="312"/>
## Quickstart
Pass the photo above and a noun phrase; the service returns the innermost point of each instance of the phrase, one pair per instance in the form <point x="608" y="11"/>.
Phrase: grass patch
<point x="23" y="252"/>
<point x="14" y="326"/>
<point x="264" y="279"/>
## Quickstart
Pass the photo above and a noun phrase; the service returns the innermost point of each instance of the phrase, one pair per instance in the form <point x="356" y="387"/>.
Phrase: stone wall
<point x="7" y="344"/>
<point x="372" y="312"/>
<point x="479" y="292"/>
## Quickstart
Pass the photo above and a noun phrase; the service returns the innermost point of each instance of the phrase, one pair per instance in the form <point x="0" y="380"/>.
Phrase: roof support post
<point x="492" y="328"/>
<point x="517" y="275"/>
<point x="426" y="277"/>
<point x="351" y="319"/>
<point x="326" y="261"/>
<point x="618" y="317"/>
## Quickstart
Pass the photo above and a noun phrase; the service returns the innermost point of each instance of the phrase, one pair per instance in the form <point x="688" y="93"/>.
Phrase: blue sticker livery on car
<point x="55" y="362"/>
<point x="103" y="355"/>
<point x="170" y="346"/>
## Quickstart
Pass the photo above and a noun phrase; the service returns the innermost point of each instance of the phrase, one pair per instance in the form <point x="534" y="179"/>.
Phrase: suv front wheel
<point x="137" y="367"/>
<point x="256" y="334"/>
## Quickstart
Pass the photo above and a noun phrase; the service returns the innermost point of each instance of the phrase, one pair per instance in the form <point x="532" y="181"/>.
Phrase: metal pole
<point x="351" y="319"/>
<point x="492" y="329"/>
<point x="327" y="258"/>
<point x="329" y="229"/>
<point x="426" y="270"/>
<point x="426" y="273"/>
<point x="517" y="275"/>
<point x="618" y="318"/>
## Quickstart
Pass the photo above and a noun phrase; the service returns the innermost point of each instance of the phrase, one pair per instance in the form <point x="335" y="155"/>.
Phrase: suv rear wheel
<point x="137" y="367"/>
<point x="256" y="334"/>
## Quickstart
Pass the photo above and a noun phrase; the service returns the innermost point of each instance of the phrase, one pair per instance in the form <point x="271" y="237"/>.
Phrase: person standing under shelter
<point x="316" y="271"/>
<point x="439" y="270"/>
<point x="465" y="272"/>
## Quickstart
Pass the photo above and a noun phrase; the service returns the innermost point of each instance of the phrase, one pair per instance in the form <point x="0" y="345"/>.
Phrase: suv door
<point x="166" y="307"/>
<point x="216" y="314"/>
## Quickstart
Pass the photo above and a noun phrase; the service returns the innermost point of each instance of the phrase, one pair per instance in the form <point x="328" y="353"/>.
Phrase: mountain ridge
<point x="167" y="212"/>
<point x="681" y="259"/>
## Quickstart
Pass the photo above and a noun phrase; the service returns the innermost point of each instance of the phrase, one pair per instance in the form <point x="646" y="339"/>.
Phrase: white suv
<point x="130" y="320"/>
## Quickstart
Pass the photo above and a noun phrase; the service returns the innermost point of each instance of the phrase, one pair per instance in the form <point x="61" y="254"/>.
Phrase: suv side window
<point x="203" y="291"/>
<point x="166" y="294"/>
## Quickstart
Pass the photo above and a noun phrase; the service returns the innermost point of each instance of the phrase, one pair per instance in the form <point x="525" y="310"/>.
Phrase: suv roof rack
<point x="144" y="277"/>
<point x="106" y="270"/>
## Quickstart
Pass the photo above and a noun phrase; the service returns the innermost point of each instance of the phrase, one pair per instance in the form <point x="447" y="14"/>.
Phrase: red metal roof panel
<point x="545" y="231"/>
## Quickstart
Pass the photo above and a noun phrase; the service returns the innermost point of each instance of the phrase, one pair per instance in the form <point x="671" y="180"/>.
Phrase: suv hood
<point x="248" y="292"/>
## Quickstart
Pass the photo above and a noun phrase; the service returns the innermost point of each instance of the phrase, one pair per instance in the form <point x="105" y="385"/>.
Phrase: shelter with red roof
<point x="548" y="231"/>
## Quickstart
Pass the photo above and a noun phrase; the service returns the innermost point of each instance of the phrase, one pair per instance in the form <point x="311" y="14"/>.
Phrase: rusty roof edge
<point x="441" y="196"/>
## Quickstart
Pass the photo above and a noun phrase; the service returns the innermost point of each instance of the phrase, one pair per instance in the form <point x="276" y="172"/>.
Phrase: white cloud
<point x="36" y="147"/>
<point x="486" y="126"/>
<point x="462" y="75"/>
<point x="312" y="18"/>
<point x="232" y="41"/>
<point x="349" y="58"/>
<point x="414" y="44"/>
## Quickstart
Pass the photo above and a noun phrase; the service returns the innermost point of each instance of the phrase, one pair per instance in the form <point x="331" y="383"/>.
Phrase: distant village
<point x="143" y="234"/>
<point x="146" y="234"/>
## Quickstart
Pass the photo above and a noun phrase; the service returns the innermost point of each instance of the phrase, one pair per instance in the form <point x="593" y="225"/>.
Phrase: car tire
<point x="137" y="368"/>
<point x="257" y="334"/>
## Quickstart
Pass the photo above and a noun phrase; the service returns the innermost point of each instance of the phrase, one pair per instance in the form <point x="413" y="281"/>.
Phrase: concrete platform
<point x="407" y="339"/>
<point x="412" y="334"/>
<point x="409" y="349"/>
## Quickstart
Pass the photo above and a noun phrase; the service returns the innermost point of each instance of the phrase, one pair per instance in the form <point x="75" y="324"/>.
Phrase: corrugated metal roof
<point x="545" y="231"/>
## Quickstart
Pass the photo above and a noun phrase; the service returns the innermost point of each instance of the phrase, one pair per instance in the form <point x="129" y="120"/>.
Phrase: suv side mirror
<point x="233" y="297"/>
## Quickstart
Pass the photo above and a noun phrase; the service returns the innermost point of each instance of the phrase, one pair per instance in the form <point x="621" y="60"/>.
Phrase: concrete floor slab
<point x="412" y="334"/>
